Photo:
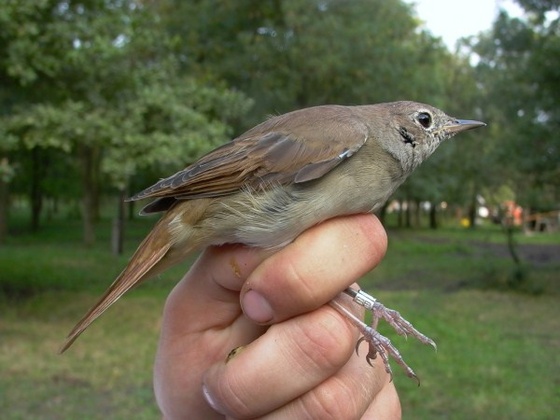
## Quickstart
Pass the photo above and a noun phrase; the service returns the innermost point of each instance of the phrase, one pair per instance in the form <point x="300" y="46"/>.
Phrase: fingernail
<point x="256" y="307"/>
<point x="211" y="400"/>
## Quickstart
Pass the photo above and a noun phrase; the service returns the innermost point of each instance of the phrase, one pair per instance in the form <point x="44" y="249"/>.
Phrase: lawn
<point x="498" y="351"/>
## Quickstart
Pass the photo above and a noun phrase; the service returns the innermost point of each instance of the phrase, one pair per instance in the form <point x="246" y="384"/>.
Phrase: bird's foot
<point x="382" y="346"/>
<point x="379" y="344"/>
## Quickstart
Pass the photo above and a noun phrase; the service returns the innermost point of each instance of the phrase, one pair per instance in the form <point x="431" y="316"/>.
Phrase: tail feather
<point x="143" y="264"/>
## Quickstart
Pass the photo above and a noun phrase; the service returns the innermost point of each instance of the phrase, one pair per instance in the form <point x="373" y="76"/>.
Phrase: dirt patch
<point x="537" y="255"/>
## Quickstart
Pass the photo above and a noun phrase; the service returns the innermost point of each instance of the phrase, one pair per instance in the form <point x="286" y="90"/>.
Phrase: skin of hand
<point x="298" y="358"/>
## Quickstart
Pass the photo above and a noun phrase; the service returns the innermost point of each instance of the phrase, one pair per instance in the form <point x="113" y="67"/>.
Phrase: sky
<point x="454" y="19"/>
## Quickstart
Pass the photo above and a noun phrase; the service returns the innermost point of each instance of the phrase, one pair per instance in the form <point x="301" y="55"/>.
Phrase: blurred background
<point x="101" y="98"/>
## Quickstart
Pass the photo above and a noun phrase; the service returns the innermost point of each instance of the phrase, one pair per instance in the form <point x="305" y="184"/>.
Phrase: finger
<point x="321" y="263"/>
<point x="348" y="394"/>
<point x="299" y="354"/>
<point x="211" y="286"/>
<point x="201" y="323"/>
<point x="385" y="406"/>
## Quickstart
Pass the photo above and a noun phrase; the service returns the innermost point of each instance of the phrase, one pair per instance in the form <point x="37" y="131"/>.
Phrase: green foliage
<point x="115" y="94"/>
<point x="7" y="171"/>
<point x="517" y="71"/>
<point x="52" y="259"/>
<point x="97" y="81"/>
<point x="168" y="126"/>
<point x="289" y="54"/>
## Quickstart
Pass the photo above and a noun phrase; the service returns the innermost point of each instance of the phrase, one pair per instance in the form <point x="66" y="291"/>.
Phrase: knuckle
<point x="325" y="344"/>
<point x="299" y="280"/>
<point x="297" y="284"/>
<point x="235" y="399"/>
<point x="334" y="400"/>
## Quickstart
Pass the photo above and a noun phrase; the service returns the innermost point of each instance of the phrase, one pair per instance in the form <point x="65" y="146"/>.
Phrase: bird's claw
<point x="382" y="346"/>
<point x="379" y="344"/>
<point x="372" y="353"/>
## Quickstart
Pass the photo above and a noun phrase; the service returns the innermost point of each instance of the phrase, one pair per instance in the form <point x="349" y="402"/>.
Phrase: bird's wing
<point x="281" y="150"/>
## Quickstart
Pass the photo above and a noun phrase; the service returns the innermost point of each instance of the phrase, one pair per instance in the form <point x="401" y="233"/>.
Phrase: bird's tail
<point x="147" y="261"/>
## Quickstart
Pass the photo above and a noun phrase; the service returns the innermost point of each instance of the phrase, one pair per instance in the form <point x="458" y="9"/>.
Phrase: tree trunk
<point x="131" y="210"/>
<point x="407" y="219"/>
<point x="472" y="212"/>
<point x="88" y="199"/>
<point x="400" y="215"/>
<point x="96" y="173"/>
<point x="382" y="213"/>
<point x="433" y="216"/>
<point x="117" y="237"/>
<point x="4" y="205"/>
<point x="525" y="224"/>
<point x="511" y="245"/>
<point x="36" y="193"/>
<point x="417" y="210"/>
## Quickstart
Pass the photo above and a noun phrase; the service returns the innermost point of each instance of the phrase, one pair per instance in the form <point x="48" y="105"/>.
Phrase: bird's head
<point x="416" y="130"/>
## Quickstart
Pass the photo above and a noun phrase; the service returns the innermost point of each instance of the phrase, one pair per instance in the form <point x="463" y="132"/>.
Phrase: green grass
<point x="498" y="351"/>
<point x="107" y="376"/>
<point x="493" y="360"/>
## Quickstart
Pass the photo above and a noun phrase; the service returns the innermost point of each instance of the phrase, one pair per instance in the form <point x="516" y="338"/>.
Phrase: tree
<point x="105" y="89"/>
<point x="518" y="72"/>
<point x="7" y="173"/>
<point x="456" y="172"/>
<point x="288" y="54"/>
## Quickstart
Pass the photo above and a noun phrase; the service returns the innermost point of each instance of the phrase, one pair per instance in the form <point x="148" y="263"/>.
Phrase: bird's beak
<point x="457" y="126"/>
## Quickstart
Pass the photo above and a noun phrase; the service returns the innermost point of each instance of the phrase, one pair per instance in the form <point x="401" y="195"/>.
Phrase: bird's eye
<point x="424" y="119"/>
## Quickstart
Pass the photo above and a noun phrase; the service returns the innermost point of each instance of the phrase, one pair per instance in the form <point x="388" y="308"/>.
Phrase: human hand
<point x="301" y="366"/>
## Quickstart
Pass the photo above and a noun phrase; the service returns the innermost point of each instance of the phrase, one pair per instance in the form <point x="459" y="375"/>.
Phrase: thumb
<point x="211" y="287"/>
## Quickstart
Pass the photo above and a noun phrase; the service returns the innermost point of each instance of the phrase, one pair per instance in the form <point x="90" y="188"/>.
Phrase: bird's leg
<point x="395" y="320"/>
<point x="378" y="344"/>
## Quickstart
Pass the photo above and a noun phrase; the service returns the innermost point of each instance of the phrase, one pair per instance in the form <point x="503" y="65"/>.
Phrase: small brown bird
<point x="281" y="177"/>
